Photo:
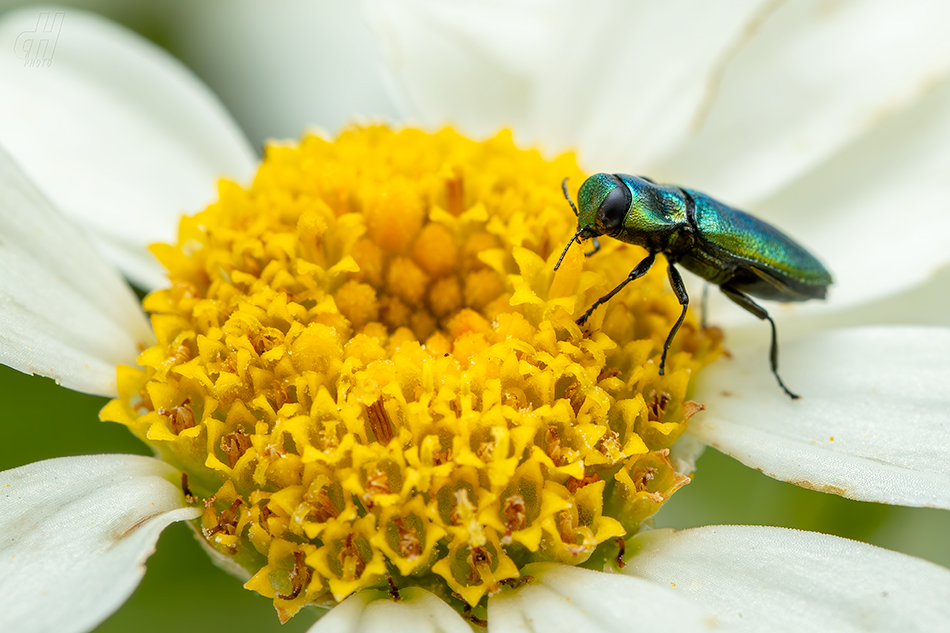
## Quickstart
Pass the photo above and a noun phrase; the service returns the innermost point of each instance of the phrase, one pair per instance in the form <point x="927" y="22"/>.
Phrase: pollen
<point x="372" y="376"/>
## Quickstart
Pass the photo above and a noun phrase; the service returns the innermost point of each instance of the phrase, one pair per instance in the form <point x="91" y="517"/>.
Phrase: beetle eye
<point x="613" y="209"/>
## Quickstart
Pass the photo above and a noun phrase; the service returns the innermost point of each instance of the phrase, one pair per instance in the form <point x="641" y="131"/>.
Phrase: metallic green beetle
<point x="727" y="247"/>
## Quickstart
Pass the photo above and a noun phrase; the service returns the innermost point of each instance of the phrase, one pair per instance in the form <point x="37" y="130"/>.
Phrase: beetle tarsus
<point x="679" y="288"/>
<point x="705" y="308"/>
<point x="635" y="274"/>
<point x="596" y="248"/>
<point x="746" y="303"/>
<point x="773" y="357"/>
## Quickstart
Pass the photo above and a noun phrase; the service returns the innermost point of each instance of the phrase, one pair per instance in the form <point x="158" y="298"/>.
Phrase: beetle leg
<point x="745" y="302"/>
<point x="596" y="248"/>
<point x="680" y="290"/>
<point x="636" y="273"/>
<point x="702" y="322"/>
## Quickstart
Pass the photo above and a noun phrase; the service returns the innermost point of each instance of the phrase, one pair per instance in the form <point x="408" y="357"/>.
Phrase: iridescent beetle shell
<point x="745" y="256"/>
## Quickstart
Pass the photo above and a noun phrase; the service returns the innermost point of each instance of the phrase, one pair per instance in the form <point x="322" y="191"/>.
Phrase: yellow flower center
<point x="371" y="376"/>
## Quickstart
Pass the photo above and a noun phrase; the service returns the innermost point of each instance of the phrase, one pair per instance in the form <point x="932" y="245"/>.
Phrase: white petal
<point x="116" y="131"/>
<point x="856" y="211"/>
<point x="773" y="579"/>
<point x="66" y="314"/>
<point x="564" y="599"/>
<point x="622" y="80"/>
<point x="877" y="198"/>
<point x="76" y="532"/>
<point x="685" y="452"/>
<point x="925" y="304"/>
<point x="284" y="67"/>
<point x="374" y="612"/>
<point x="873" y="422"/>
<point x="806" y="82"/>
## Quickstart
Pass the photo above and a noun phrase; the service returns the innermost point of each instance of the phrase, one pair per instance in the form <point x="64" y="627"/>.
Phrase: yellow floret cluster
<point x="372" y="377"/>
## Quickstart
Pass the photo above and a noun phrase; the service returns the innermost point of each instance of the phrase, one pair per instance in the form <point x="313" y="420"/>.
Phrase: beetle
<point x="744" y="256"/>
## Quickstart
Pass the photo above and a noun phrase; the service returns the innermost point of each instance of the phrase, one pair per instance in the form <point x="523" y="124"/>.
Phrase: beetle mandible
<point x="725" y="246"/>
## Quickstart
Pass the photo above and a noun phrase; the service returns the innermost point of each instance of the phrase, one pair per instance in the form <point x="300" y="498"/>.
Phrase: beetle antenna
<point x="566" y="248"/>
<point x="568" y="196"/>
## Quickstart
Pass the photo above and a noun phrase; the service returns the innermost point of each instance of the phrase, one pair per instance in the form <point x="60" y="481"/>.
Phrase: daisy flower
<point x="362" y="379"/>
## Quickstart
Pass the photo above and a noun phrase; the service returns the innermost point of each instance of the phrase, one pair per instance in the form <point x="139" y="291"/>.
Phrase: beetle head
<point x="603" y="202"/>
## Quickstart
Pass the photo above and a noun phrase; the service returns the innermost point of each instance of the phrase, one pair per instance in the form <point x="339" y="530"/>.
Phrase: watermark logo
<point x="36" y="47"/>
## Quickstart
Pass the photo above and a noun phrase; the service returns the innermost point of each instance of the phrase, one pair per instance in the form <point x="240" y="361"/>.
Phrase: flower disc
<point x="371" y="375"/>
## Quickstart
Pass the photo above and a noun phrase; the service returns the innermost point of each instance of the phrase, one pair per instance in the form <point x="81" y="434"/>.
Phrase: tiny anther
<point x="463" y="507"/>
<point x="642" y="477"/>
<point x="478" y="560"/>
<point x="575" y="395"/>
<point x="516" y="517"/>
<point x="565" y="523"/>
<point x="347" y="554"/>
<point x="410" y="546"/>
<point x="327" y="441"/>
<point x="573" y="485"/>
<point x="377" y="483"/>
<point x="610" y="441"/>
<point x="226" y="521"/>
<point x="182" y="354"/>
<point x="274" y="451"/>
<point x="323" y="507"/>
<point x="656" y="408"/>
<point x="266" y="339"/>
<point x="379" y="422"/>
<point x="299" y="577"/>
<point x="469" y="615"/>
<point x="622" y="549"/>
<point x="277" y="395"/>
<point x="485" y="450"/>
<point x="393" y="590"/>
<point x="440" y="457"/>
<point x="609" y="372"/>
<point x="553" y="446"/>
<point x="234" y="445"/>
<point x="515" y="583"/>
<point x="511" y="400"/>
<point x="180" y="417"/>
<point x="229" y="365"/>
<point x="190" y="498"/>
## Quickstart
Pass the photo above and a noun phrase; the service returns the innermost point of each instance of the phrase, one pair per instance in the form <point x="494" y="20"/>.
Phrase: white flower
<point x="767" y="107"/>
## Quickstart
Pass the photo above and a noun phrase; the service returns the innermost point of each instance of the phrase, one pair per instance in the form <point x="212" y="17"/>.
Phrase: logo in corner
<point x="36" y="47"/>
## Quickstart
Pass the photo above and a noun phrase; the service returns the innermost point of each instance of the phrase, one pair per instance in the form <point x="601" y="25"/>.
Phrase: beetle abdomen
<point x="763" y="261"/>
